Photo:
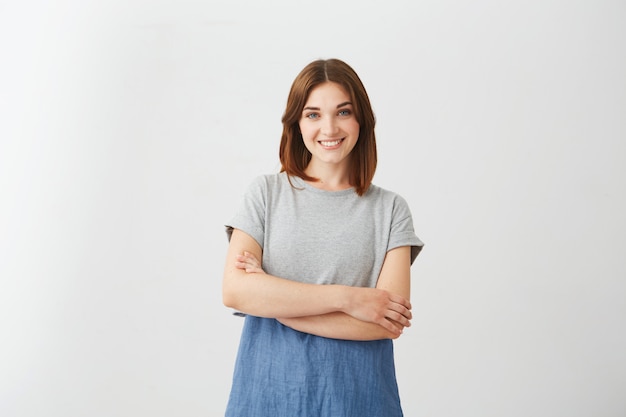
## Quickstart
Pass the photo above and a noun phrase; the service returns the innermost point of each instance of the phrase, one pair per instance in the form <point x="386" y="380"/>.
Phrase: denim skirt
<point x="281" y="372"/>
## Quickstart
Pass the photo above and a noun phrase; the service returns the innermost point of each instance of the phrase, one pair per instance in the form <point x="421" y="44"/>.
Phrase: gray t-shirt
<point x="324" y="237"/>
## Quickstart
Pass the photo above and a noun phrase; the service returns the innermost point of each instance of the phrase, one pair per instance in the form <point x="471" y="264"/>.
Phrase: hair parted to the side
<point x="294" y="156"/>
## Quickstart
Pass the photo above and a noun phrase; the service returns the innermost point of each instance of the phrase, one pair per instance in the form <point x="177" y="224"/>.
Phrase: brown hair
<point x="294" y="156"/>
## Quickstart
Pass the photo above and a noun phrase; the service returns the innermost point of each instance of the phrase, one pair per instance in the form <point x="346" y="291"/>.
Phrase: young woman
<point x="319" y="262"/>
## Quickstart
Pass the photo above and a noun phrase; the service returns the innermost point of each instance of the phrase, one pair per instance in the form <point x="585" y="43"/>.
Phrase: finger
<point x="400" y="309"/>
<point x="250" y="256"/>
<point x="387" y="324"/>
<point x="246" y="255"/>
<point x="247" y="266"/>
<point x="245" y="260"/>
<point x="399" y="318"/>
<point x="398" y="299"/>
<point x="254" y="266"/>
<point x="398" y="325"/>
<point x="251" y="259"/>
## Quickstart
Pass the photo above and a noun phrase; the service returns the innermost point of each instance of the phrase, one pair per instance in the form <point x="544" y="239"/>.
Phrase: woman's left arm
<point x="395" y="277"/>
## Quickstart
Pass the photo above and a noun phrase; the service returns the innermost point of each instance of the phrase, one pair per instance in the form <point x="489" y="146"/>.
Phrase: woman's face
<point x="328" y="125"/>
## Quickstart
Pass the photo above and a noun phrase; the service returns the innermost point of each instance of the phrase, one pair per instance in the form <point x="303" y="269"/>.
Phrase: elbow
<point x="228" y="297"/>
<point x="394" y="336"/>
<point x="387" y="334"/>
<point x="236" y="291"/>
<point x="230" y="289"/>
<point x="233" y="295"/>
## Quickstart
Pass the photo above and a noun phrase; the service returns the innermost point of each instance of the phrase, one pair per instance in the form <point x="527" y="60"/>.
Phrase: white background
<point x="130" y="129"/>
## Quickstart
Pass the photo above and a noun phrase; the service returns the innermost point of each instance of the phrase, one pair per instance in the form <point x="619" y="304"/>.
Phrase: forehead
<point x="329" y="93"/>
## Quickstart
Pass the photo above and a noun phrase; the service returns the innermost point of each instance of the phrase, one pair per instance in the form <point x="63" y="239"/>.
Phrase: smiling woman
<point x="330" y="131"/>
<point x="323" y="287"/>
<point x="333" y="87"/>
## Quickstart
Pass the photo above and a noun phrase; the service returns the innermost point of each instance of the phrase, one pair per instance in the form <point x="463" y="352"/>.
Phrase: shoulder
<point x="268" y="181"/>
<point x="262" y="187"/>
<point x="389" y="201"/>
<point x="385" y="196"/>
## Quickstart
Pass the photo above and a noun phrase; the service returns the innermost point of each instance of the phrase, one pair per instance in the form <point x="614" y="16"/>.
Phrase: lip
<point x="331" y="140"/>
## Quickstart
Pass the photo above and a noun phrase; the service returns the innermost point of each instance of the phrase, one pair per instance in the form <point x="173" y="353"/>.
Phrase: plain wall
<point x="130" y="129"/>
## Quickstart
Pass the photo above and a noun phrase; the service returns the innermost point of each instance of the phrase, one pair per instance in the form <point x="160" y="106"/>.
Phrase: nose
<point x="329" y="127"/>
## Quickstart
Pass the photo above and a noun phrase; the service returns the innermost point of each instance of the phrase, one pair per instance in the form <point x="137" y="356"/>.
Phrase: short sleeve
<point x="402" y="231"/>
<point x="250" y="216"/>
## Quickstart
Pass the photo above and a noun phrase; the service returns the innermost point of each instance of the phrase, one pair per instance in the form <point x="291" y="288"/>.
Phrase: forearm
<point x="340" y="326"/>
<point x="394" y="277"/>
<point x="264" y="295"/>
<point x="247" y="288"/>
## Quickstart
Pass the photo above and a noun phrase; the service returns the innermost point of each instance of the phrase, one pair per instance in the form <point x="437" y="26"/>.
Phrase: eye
<point x="312" y="116"/>
<point x="345" y="112"/>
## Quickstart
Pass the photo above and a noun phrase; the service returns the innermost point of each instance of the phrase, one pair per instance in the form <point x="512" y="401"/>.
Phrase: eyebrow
<point x="338" y="106"/>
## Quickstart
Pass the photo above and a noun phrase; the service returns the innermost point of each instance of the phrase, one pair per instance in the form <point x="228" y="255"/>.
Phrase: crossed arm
<point x="335" y="311"/>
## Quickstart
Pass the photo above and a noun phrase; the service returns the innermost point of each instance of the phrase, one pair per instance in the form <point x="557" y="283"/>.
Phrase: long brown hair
<point x="294" y="156"/>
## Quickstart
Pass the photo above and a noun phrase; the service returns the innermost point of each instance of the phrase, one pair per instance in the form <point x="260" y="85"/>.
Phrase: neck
<point x="329" y="178"/>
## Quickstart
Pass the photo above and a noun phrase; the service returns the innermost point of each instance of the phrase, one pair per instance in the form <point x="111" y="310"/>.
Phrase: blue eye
<point x="312" y="116"/>
<point x="345" y="112"/>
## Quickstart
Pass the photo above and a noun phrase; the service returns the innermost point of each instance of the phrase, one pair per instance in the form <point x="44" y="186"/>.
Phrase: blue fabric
<point x="281" y="372"/>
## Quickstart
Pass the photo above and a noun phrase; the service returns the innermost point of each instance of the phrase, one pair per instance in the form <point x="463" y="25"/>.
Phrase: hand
<point x="249" y="263"/>
<point x="391" y="311"/>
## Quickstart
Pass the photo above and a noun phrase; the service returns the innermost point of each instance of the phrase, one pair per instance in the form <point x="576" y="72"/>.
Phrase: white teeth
<point x="329" y="143"/>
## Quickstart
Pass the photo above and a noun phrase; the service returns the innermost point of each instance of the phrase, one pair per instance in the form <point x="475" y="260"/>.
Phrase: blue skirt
<point x="281" y="372"/>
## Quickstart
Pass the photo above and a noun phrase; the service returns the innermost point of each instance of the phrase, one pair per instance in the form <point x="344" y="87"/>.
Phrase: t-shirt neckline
<point x="300" y="183"/>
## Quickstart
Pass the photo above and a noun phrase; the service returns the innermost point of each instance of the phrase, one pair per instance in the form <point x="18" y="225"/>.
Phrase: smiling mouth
<point x="330" y="143"/>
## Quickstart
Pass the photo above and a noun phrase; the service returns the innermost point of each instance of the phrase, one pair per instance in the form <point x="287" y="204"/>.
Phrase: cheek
<point x="355" y="128"/>
<point x="306" y="134"/>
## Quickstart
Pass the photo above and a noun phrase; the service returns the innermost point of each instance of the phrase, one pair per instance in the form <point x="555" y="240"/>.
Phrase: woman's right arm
<point x="264" y="295"/>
